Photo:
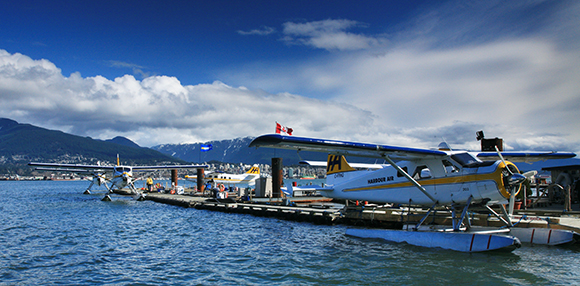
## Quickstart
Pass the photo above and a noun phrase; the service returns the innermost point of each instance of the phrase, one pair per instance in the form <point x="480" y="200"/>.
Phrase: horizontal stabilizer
<point x="354" y="165"/>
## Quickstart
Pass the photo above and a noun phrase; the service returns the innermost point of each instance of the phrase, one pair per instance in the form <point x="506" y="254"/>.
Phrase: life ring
<point x="222" y="188"/>
<point x="225" y="195"/>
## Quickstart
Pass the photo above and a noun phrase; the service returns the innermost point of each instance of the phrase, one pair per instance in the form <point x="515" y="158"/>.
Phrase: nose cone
<point x="516" y="179"/>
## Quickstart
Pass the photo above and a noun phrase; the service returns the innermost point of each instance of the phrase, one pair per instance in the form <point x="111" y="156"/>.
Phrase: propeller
<point x="513" y="180"/>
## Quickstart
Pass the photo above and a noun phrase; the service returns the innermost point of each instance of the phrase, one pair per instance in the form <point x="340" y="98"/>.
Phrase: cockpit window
<point x="465" y="159"/>
<point x="449" y="167"/>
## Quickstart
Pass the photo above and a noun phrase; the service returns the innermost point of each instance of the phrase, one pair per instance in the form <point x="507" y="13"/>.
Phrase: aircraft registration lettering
<point x="377" y="180"/>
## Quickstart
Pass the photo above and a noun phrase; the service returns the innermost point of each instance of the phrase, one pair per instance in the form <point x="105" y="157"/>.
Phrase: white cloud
<point x="444" y="75"/>
<point x="517" y="88"/>
<point x="158" y="109"/>
<point x="137" y="69"/>
<point x="494" y="66"/>
<point x="328" y="34"/>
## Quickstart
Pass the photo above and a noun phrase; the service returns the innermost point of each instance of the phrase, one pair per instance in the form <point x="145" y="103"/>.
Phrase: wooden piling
<point x="174" y="177"/>
<point x="200" y="178"/>
<point x="276" y="177"/>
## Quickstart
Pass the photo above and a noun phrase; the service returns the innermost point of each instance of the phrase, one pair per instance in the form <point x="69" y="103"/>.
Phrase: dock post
<point x="174" y="177"/>
<point x="200" y="176"/>
<point x="276" y="177"/>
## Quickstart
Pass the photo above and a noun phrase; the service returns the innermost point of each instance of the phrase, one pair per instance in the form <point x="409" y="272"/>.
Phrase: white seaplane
<point x="248" y="177"/>
<point x="119" y="176"/>
<point x="454" y="180"/>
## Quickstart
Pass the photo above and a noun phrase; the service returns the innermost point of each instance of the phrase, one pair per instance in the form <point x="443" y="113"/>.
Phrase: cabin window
<point x="422" y="172"/>
<point x="399" y="173"/>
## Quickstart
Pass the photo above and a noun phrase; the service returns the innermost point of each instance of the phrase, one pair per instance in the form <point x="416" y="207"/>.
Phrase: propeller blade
<point x="530" y="174"/>
<point x="502" y="159"/>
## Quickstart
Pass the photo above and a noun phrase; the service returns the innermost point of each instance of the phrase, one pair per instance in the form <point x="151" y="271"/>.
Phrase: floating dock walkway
<point x="320" y="210"/>
<point x="316" y="211"/>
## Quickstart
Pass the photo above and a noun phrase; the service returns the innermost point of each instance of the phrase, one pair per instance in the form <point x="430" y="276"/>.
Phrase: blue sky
<point x="406" y="73"/>
<point x="195" y="41"/>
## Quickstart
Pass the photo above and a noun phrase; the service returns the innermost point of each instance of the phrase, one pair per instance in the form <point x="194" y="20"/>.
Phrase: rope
<point x="521" y="218"/>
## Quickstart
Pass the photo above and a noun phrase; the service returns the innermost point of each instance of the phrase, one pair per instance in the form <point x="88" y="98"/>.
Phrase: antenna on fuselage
<point x="118" y="164"/>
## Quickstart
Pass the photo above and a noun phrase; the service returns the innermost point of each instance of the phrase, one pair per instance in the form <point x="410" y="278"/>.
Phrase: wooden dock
<point x="316" y="212"/>
<point x="322" y="211"/>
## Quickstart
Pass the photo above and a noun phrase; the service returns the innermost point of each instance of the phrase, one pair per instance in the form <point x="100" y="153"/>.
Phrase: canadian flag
<point x="283" y="129"/>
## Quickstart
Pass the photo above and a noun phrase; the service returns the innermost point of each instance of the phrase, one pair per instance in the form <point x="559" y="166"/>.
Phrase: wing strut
<point x="410" y="178"/>
<point x="507" y="222"/>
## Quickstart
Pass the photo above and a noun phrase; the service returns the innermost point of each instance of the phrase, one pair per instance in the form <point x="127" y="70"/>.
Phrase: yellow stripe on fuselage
<point x="495" y="176"/>
<point x="226" y="180"/>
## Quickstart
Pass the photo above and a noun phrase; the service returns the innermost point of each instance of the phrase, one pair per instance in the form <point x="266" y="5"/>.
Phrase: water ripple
<point x="51" y="233"/>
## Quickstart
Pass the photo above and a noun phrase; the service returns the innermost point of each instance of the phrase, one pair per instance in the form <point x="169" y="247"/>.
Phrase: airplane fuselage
<point x="447" y="183"/>
<point x="248" y="177"/>
<point x="222" y="178"/>
<point x="122" y="177"/>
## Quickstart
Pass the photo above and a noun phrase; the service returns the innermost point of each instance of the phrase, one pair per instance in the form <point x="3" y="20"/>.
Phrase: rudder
<point x="337" y="164"/>
<point x="254" y="170"/>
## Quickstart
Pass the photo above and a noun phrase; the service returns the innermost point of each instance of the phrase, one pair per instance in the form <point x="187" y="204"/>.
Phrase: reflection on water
<point x="50" y="233"/>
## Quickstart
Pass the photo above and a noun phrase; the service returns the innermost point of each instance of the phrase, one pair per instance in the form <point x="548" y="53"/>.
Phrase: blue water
<point x="50" y="233"/>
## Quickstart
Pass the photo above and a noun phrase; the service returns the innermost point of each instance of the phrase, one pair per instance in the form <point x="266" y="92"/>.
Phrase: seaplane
<point x="248" y="177"/>
<point x="424" y="178"/>
<point x="119" y="176"/>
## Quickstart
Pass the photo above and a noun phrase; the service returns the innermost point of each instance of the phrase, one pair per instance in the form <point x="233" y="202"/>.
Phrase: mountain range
<point x="235" y="151"/>
<point x="24" y="143"/>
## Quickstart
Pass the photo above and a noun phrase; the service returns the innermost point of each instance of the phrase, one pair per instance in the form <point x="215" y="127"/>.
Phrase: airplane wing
<point x="70" y="167"/>
<point x="343" y="147"/>
<point x="80" y="167"/>
<point x="527" y="157"/>
<point x="77" y="171"/>
<point x="148" y="168"/>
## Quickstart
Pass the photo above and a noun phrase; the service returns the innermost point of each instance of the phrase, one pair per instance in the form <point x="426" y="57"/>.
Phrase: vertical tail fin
<point x="254" y="170"/>
<point x="337" y="164"/>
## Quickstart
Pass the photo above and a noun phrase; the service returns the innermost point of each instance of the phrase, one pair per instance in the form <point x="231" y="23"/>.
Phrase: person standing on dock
<point x="565" y="180"/>
<point x="149" y="184"/>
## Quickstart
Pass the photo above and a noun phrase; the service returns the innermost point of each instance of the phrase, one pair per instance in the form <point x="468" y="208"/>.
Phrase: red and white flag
<point x="283" y="129"/>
